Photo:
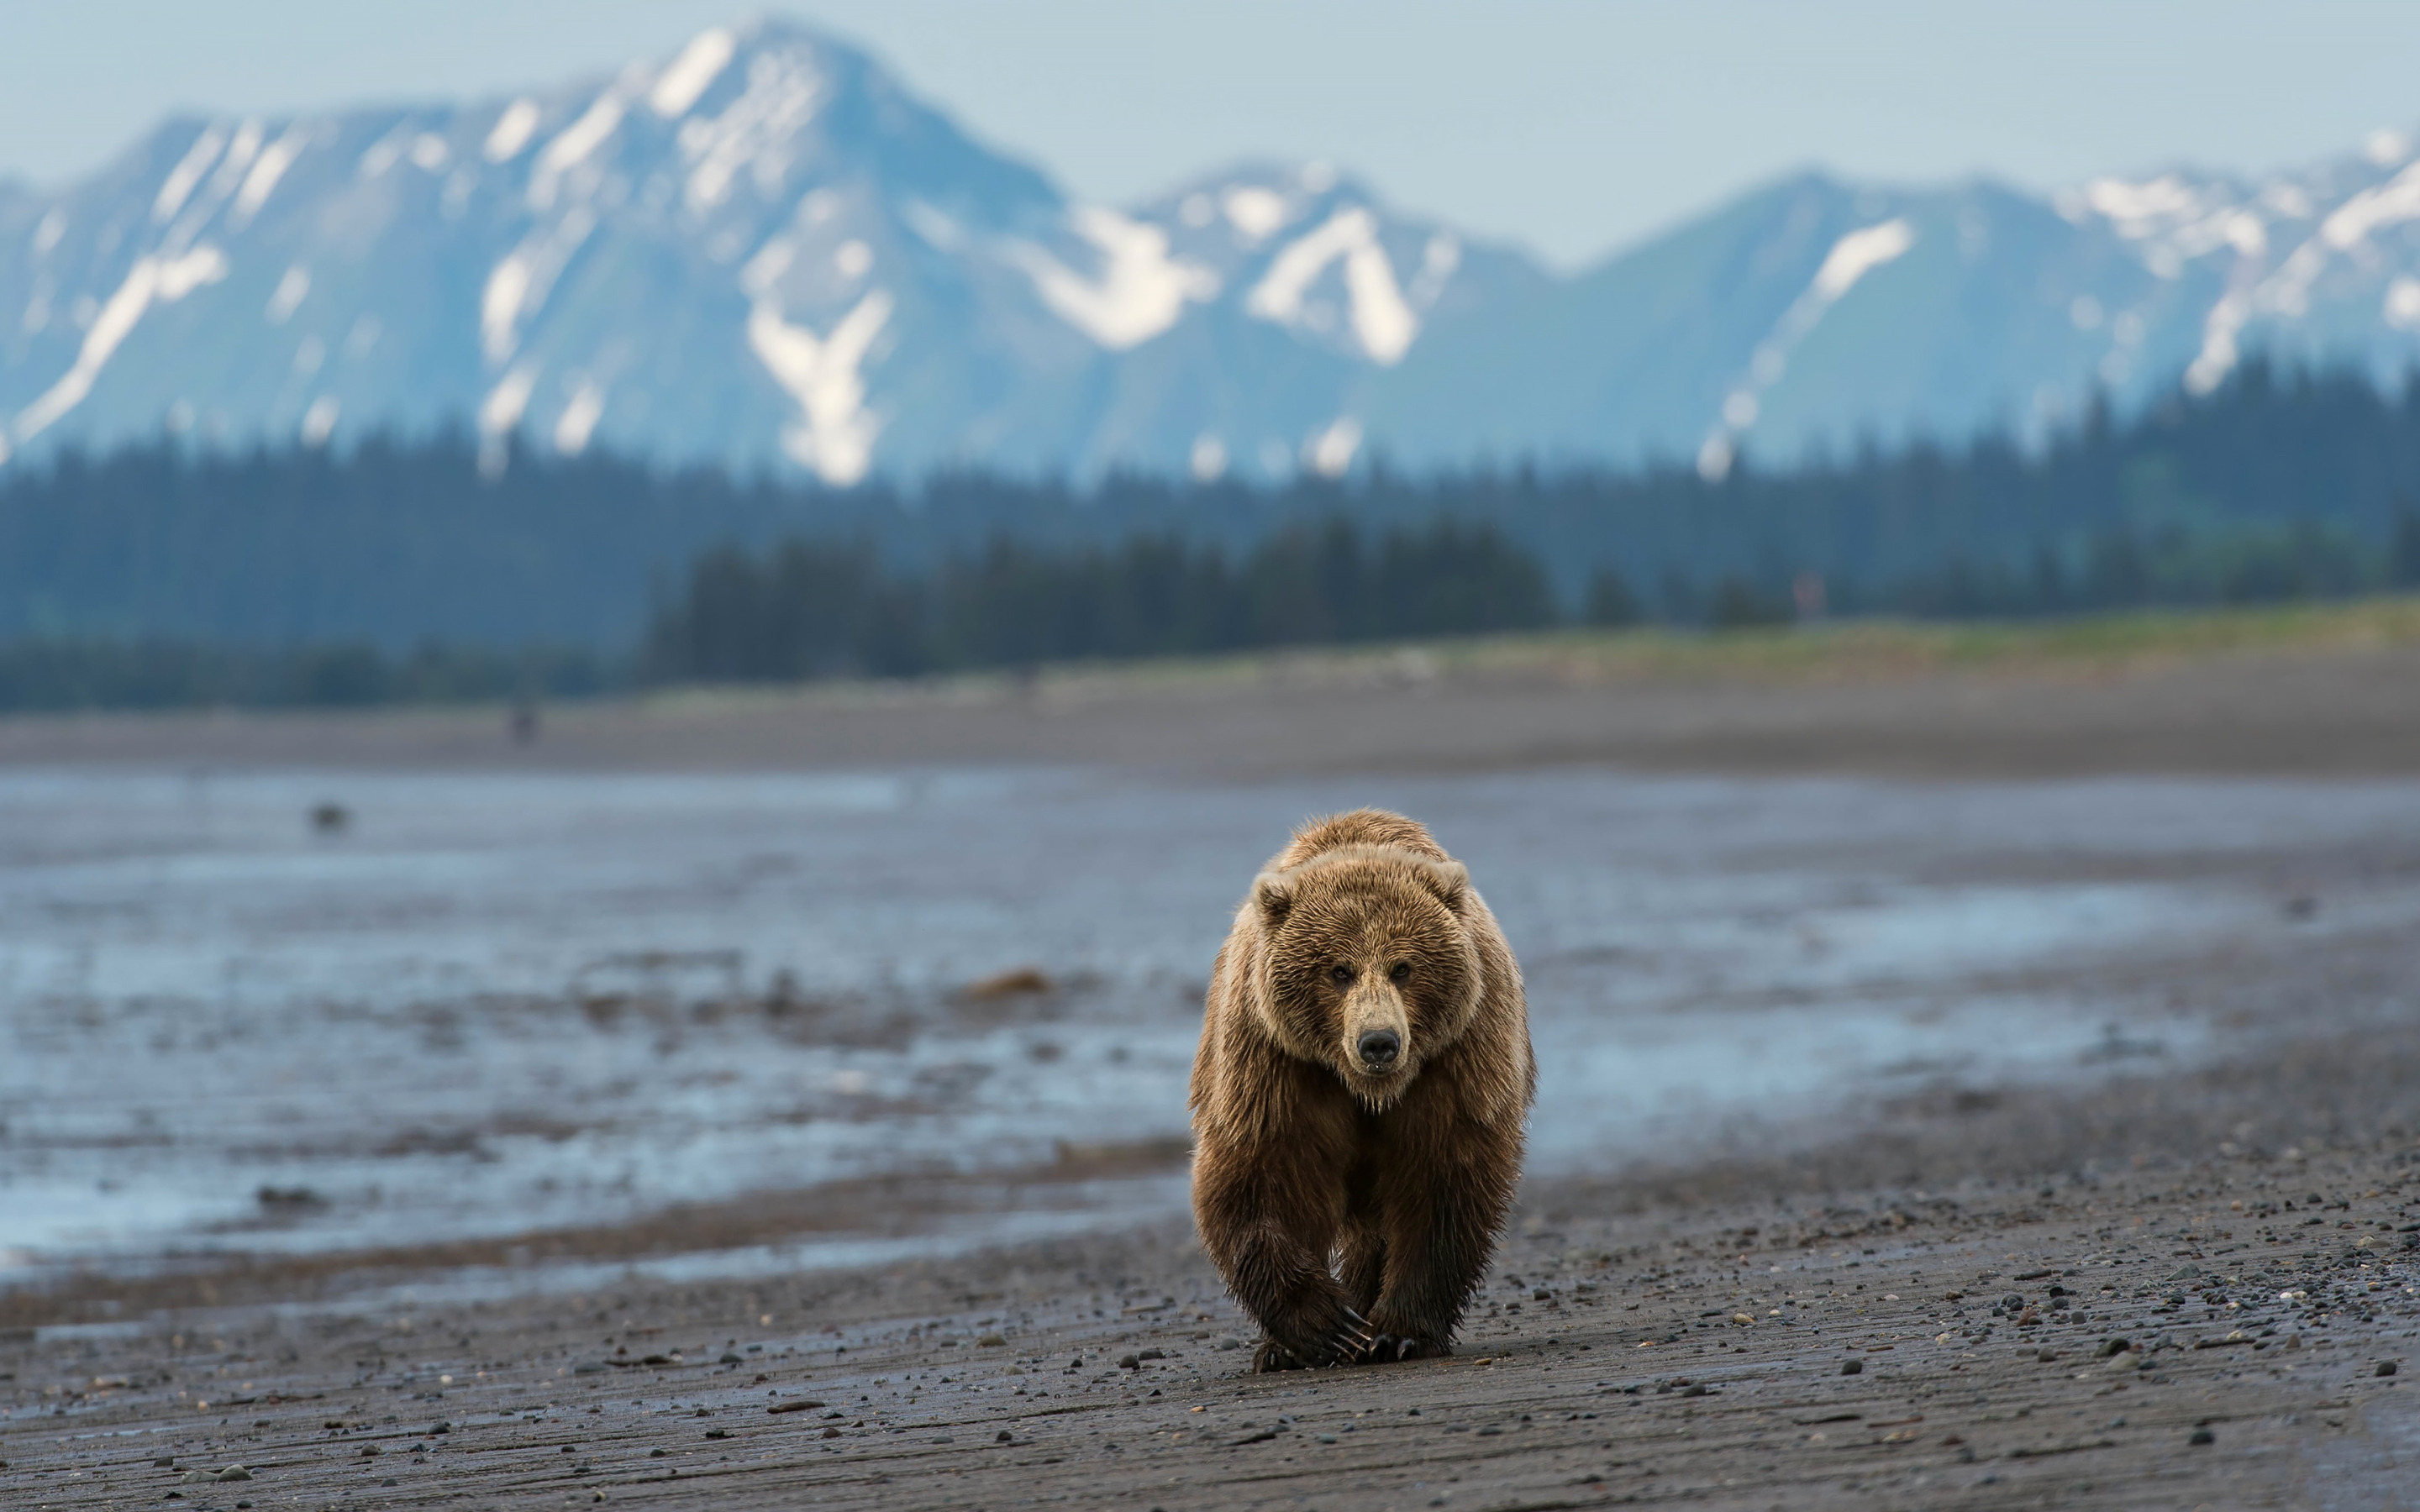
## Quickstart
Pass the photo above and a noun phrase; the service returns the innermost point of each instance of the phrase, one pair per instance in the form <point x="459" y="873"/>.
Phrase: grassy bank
<point x="1842" y="650"/>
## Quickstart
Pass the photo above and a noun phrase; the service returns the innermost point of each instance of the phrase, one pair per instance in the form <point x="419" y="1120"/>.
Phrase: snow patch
<point x="1383" y="321"/>
<point x="1852" y="257"/>
<point x="835" y="434"/>
<point x="939" y="232"/>
<point x="502" y="410"/>
<point x="574" y="144"/>
<point x="499" y="413"/>
<point x="500" y="305"/>
<point x="178" y="185"/>
<point x="163" y="280"/>
<point x="2386" y="148"/>
<point x="266" y="170"/>
<point x="2243" y="231"/>
<point x="1858" y="253"/>
<point x="47" y="230"/>
<point x="579" y="418"/>
<point x="2402" y="309"/>
<point x="852" y="259"/>
<point x="1142" y="289"/>
<point x="2287" y="200"/>
<point x="319" y="420"/>
<point x="240" y="153"/>
<point x="2389" y="203"/>
<point x="691" y="74"/>
<point x="758" y="275"/>
<point x="180" y="276"/>
<point x="2218" y="354"/>
<point x="1438" y="260"/>
<point x="288" y="295"/>
<point x="383" y="154"/>
<point x="1256" y="213"/>
<point x="1208" y="461"/>
<point x="2138" y="209"/>
<point x="429" y="152"/>
<point x="519" y="284"/>
<point x="1715" y="456"/>
<point x="512" y="130"/>
<point x="757" y="132"/>
<point x="1330" y="452"/>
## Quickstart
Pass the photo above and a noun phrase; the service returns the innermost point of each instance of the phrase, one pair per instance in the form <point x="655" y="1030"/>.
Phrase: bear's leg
<point x="1269" y="1224"/>
<point x="1362" y="1259"/>
<point x="1440" y="1229"/>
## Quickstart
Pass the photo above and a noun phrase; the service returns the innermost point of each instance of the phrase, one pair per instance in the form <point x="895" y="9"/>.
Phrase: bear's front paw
<point x="1389" y="1348"/>
<point x="1345" y="1339"/>
<point x="1272" y="1355"/>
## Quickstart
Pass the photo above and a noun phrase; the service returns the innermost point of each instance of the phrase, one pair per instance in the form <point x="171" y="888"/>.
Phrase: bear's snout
<point x="1376" y="1046"/>
<point x="1379" y="1048"/>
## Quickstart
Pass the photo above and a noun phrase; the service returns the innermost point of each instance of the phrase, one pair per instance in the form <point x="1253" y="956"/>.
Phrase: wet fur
<point x="1353" y="1214"/>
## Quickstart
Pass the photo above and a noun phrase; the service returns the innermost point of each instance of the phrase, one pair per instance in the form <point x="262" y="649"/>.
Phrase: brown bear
<point x="1359" y="1095"/>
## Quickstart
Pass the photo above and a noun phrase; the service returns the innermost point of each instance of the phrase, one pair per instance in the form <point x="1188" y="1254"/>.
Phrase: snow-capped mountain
<point x="1814" y="314"/>
<point x="761" y="252"/>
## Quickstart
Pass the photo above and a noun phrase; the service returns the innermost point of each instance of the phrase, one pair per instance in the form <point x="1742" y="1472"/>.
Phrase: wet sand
<point x="1816" y="1331"/>
<point x="2345" y="710"/>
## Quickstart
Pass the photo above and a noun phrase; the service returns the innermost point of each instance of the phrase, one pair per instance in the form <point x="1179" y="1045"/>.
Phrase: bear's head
<point x="1366" y="964"/>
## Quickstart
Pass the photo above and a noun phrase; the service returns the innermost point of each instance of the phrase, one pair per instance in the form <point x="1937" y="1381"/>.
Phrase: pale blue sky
<point x="1571" y="127"/>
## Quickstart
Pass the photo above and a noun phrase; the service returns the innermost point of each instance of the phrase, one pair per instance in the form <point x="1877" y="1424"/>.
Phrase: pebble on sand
<point x="1853" y="1367"/>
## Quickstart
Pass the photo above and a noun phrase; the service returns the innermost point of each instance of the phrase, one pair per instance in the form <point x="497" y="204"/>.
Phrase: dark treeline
<point x="816" y="610"/>
<point x="156" y="568"/>
<point x="152" y="672"/>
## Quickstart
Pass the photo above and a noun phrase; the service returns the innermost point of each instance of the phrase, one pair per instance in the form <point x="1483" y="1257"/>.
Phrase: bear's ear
<point x="1273" y="892"/>
<point x="1451" y="882"/>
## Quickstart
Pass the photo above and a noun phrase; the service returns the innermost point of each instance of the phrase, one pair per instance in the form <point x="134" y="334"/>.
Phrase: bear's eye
<point x="1340" y="972"/>
<point x="1402" y="972"/>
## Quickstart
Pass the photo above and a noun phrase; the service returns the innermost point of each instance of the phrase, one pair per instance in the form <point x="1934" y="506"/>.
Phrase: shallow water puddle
<point x="296" y="1011"/>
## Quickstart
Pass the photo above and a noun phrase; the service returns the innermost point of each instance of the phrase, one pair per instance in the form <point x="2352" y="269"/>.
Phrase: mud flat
<point x="2083" y="1301"/>
<point x="2069" y="1266"/>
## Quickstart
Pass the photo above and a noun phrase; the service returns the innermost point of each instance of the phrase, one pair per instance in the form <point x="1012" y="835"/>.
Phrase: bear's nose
<point x="1379" y="1047"/>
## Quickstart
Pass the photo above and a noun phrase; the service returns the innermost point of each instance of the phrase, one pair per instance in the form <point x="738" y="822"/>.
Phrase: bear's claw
<point x="1393" y="1347"/>
<point x="1353" y="1340"/>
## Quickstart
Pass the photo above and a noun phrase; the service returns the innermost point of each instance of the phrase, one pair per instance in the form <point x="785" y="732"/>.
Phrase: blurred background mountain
<point x="761" y="252"/>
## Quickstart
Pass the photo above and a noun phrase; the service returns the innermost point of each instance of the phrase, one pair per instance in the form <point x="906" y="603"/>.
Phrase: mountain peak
<point x="759" y="248"/>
